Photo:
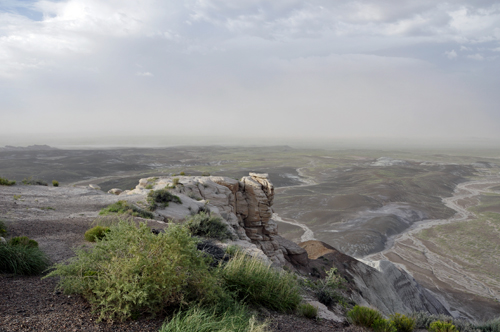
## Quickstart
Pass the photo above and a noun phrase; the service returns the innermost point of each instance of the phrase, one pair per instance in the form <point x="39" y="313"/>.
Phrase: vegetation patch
<point x="124" y="207"/>
<point x="206" y="225"/>
<point x="55" y="183"/>
<point x="22" y="259"/>
<point x="6" y="182"/>
<point x="33" y="182"/>
<point x="327" y="289"/>
<point x="23" y="241"/>
<point x="161" y="198"/>
<point x="403" y="323"/>
<point x="198" y="319"/>
<point x="133" y="271"/>
<point x="307" y="310"/>
<point x="383" y="325"/>
<point x="440" y="326"/>
<point x="257" y="283"/>
<point x="363" y="316"/>
<point x="96" y="233"/>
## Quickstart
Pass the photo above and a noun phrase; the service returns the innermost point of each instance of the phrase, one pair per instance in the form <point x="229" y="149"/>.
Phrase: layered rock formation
<point x="245" y="204"/>
<point x="380" y="284"/>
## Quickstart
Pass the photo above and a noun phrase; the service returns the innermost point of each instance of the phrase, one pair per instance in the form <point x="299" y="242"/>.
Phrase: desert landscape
<point x="434" y="213"/>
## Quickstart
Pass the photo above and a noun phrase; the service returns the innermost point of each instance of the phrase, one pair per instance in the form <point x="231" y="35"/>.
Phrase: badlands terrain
<point x="435" y="213"/>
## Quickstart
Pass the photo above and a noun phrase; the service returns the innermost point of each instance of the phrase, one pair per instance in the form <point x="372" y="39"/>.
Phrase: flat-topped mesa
<point x="246" y="205"/>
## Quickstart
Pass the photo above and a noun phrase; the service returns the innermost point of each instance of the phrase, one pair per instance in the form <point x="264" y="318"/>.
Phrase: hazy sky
<point x="224" y="67"/>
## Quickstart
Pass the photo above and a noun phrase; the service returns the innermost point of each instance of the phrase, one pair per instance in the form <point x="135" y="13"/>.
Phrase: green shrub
<point x="6" y="182"/>
<point x="96" y="233"/>
<point x="124" y="207"/>
<point x="23" y="241"/>
<point x="175" y="182"/>
<point x="307" y="310"/>
<point x="206" y="225"/>
<point x="363" y="316"/>
<point x="423" y="320"/>
<point x="55" y="183"/>
<point x="134" y="271"/>
<point x="326" y="290"/>
<point x="198" y="319"/>
<point x="161" y="198"/>
<point x="383" y="325"/>
<point x="440" y="326"/>
<point x="21" y="259"/>
<point x="3" y="228"/>
<point x="31" y="182"/>
<point x="182" y="173"/>
<point x="149" y="186"/>
<point x="403" y="323"/>
<point x="257" y="283"/>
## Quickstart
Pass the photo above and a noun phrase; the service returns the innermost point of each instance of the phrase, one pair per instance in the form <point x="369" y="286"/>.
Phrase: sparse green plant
<point x="440" y="326"/>
<point x="16" y="197"/>
<point x="257" y="283"/>
<point x="205" y="174"/>
<point x="492" y="325"/>
<point x="307" y="310"/>
<point x="197" y="319"/>
<point x="124" y="207"/>
<point x="149" y="186"/>
<point x="363" y="316"/>
<point x="383" y="325"/>
<point x="47" y="208"/>
<point x="161" y="198"/>
<point x="403" y="323"/>
<point x="327" y="289"/>
<point x="423" y="319"/>
<point x="206" y="225"/>
<point x="55" y="183"/>
<point x="6" y="182"/>
<point x="22" y="259"/>
<point x="23" y="241"/>
<point x="33" y="182"/>
<point x="134" y="271"/>
<point x="3" y="228"/>
<point x="96" y="233"/>
<point x="175" y="182"/>
<point x="182" y="173"/>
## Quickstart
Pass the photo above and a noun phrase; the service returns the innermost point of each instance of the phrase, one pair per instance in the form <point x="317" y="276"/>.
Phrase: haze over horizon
<point x="212" y="68"/>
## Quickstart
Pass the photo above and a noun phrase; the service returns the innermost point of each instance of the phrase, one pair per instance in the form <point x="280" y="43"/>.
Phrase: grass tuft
<point x="3" y="228"/>
<point x="257" y="283"/>
<point x="21" y="259"/>
<point x="206" y="225"/>
<point x="198" y="319"/>
<point x="124" y="207"/>
<point x="307" y="310"/>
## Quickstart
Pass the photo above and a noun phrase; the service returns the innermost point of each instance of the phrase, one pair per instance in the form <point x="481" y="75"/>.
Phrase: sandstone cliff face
<point x="245" y="204"/>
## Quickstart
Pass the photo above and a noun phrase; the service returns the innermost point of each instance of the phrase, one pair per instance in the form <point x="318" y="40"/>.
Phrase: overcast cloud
<point x="413" y="68"/>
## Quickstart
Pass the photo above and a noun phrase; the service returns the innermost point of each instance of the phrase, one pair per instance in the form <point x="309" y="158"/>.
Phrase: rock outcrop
<point x="245" y="204"/>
